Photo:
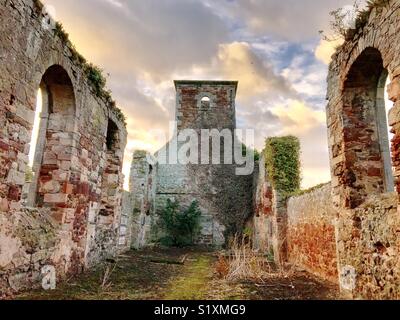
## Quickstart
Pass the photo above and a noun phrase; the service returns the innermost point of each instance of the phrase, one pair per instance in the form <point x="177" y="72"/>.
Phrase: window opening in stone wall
<point x="205" y="102"/>
<point x="366" y="138"/>
<point x="54" y="114"/>
<point x="112" y="136"/>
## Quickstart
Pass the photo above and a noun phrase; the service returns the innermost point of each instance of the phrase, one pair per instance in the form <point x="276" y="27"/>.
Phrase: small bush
<point x="180" y="225"/>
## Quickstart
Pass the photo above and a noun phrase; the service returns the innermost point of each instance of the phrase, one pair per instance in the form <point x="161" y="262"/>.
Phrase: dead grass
<point x="242" y="262"/>
<point x="135" y="277"/>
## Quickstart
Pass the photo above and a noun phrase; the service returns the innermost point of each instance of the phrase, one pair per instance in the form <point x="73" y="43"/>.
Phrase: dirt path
<point x="150" y="275"/>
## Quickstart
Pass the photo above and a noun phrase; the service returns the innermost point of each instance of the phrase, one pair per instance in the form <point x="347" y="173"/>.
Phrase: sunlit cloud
<point x="271" y="47"/>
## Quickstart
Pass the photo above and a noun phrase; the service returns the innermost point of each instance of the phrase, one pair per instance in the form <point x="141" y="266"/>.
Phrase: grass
<point x="192" y="285"/>
<point x="135" y="277"/>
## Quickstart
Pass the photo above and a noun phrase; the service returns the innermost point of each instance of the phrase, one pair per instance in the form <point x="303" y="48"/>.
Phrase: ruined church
<point x="71" y="212"/>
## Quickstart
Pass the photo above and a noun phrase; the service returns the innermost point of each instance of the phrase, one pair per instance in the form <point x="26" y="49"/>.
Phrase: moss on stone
<point x="36" y="231"/>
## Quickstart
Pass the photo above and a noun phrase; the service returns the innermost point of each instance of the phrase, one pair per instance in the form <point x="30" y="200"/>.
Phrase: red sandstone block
<point x="58" y="216"/>
<point x="4" y="205"/>
<point x="4" y="146"/>
<point x="55" y="198"/>
<point x="83" y="188"/>
<point x="14" y="193"/>
<point x="374" y="172"/>
<point x="68" y="188"/>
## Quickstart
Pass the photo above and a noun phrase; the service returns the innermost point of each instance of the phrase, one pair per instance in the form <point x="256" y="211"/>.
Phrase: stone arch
<point x="367" y="165"/>
<point x="205" y="100"/>
<point x="54" y="142"/>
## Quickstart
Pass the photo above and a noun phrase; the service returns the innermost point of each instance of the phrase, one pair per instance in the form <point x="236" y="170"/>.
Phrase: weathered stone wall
<point x="125" y="231"/>
<point x="369" y="248"/>
<point x="367" y="232"/>
<point x="142" y="186"/>
<point x="270" y="217"/>
<point x="223" y="196"/>
<point x="311" y="238"/>
<point x="75" y="208"/>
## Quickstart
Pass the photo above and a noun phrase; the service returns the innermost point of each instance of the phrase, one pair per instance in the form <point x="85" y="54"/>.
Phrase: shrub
<point x="180" y="225"/>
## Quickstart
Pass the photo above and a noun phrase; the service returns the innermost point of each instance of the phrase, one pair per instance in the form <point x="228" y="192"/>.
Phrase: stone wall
<point x="224" y="198"/>
<point x="367" y="232"/>
<point x="143" y="193"/>
<point x="74" y="201"/>
<point x="369" y="249"/>
<point x="311" y="238"/>
<point x="270" y="217"/>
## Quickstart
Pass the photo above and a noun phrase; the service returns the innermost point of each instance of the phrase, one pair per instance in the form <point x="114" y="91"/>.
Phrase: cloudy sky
<point x="272" y="47"/>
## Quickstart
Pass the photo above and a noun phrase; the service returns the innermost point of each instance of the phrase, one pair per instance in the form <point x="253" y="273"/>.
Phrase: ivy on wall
<point x="282" y="161"/>
<point x="94" y="74"/>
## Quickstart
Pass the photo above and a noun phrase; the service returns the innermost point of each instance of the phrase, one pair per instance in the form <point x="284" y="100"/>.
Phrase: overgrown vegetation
<point x="94" y="74"/>
<point x="28" y="175"/>
<point x="339" y="26"/>
<point x="180" y="225"/>
<point x="282" y="161"/>
<point x="242" y="262"/>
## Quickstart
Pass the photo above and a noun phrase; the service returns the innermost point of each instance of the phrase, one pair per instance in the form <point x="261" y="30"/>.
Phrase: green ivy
<point x="94" y="74"/>
<point x="180" y="225"/>
<point x="282" y="161"/>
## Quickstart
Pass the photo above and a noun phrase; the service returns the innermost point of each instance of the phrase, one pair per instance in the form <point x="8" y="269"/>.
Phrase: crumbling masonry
<point x="73" y="212"/>
<point x="348" y="231"/>
<point x="68" y="216"/>
<point x="224" y="198"/>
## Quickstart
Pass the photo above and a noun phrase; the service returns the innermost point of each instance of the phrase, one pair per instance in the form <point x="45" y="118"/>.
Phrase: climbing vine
<point x="282" y="161"/>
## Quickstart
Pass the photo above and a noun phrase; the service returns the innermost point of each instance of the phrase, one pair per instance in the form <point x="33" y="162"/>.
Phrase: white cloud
<point x="144" y="45"/>
<point x="326" y="49"/>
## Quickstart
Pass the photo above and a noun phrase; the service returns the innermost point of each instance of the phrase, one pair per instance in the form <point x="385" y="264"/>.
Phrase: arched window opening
<point x="54" y="117"/>
<point x="205" y="102"/>
<point x="365" y="129"/>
